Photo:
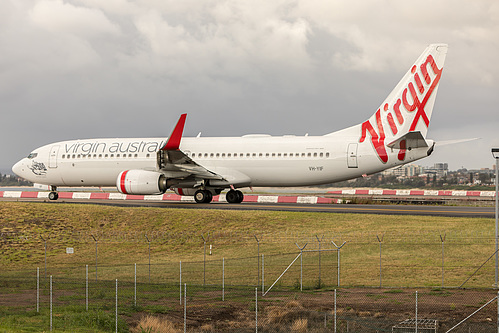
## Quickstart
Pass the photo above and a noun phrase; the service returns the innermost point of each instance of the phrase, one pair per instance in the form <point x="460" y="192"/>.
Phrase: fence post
<point x="301" y="264"/>
<point x="135" y="286"/>
<point x="263" y="275"/>
<point x="45" y="245"/>
<point x="38" y="289"/>
<point x="185" y="307"/>
<point x="180" y="282"/>
<point x="338" y="248"/>
<point x="86" y="287"/>
<point x="116" y="306"/>
<point x="258" y="265"/>
<point x="497" y="311"/>
<point x="256" y="310"/>
<point x="380" y="241"/>
<point x="320" y="243"/>
<point x="51" y="303"/>
<point x="204" y="260"/>
<point x="335" y="311"/>
<point x="442" y="240"/>
<point x="149" y="243"/>
<point x="416" y="311"/>
<point x="95" y="257"/>
<point x="223" y="279"/>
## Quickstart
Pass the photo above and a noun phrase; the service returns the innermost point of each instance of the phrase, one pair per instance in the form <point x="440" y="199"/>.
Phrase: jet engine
<point x="141" y="182"/>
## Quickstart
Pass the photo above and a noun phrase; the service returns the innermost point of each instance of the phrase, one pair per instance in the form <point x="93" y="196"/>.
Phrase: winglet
<point x="173" y="142"/>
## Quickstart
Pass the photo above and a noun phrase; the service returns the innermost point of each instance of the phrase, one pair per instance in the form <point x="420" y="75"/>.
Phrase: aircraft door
<point x="352" y="155"/>
<point x="53" y="156"/>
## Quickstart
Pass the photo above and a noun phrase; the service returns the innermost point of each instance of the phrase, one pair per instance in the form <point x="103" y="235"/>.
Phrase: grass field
<point x="409" y="243"/>
<point x="411" y="250"/>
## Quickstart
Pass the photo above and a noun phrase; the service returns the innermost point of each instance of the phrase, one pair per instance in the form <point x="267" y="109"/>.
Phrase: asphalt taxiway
<point x="419" y="210"/>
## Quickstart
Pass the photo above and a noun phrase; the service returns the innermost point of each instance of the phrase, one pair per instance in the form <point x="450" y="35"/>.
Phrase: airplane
<point x="205" y="166"/>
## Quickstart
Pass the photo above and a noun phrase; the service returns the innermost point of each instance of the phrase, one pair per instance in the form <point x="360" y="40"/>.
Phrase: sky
<point x="75" y="69"/>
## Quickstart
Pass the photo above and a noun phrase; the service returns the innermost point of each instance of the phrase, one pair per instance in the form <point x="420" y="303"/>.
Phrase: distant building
<point x="406" y="170"/>
<point x="439" y="169"/>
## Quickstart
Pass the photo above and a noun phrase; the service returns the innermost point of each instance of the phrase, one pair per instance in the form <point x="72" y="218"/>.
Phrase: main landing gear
<point x="53" y="195"/>
<point x="234" y="196"/>
<point x="203" y="196"/>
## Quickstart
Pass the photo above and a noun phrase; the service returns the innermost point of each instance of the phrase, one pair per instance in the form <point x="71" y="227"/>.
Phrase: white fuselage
<point x="253" y="160"/>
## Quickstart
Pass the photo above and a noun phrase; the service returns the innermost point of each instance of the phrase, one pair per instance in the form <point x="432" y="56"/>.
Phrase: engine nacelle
<point x="141" y="182"/>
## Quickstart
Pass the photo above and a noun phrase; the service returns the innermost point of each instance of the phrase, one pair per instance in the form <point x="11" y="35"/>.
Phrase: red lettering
<point x="396" y="109"/>
<point x="438" y="72"/>
<point x="417" y="79"/>
<point x="410" y="107"/>
<point x="393" y="127"/>
<point x="378" y="141"/>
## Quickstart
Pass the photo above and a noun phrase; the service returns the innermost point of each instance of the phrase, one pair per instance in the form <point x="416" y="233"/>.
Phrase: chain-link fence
<point x="285" y="283"/>
<point x="127" y="305"/>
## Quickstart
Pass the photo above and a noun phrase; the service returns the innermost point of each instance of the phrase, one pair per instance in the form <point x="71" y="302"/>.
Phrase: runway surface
<point x="420" y="210"/>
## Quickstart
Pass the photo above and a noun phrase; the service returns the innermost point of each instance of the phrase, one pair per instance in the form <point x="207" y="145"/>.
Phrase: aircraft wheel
<point x="240" y="196"/>
<point x="209" y="197"/>
<point x="203" y="196"/>
<point x="232" y="197"/>
<point x="53" y="196"/>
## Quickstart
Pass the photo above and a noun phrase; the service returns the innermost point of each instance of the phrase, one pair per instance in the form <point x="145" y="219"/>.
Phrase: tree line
<point x="10" y="180"/>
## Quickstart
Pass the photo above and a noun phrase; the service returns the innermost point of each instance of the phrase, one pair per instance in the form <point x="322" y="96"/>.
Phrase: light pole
<point x="495" y="153"/>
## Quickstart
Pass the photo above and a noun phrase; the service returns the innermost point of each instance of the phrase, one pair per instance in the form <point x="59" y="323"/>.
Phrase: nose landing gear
<point x="53" y="195"/>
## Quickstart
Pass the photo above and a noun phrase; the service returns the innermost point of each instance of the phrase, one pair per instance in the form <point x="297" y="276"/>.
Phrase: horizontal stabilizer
<point x="409" y="141"/>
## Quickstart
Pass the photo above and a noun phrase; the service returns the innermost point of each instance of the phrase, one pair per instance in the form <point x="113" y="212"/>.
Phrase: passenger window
<point x="218" y="154"/>
<point x="273" y="154"/>
<point x="285" y="154"/>
<point x="105" y="156"/>
<point x="112" y="155"/>
<point x="100" y="155"/>
<point x="229" y="155"/>
<point x="148" y="155"/>
<point x="321" y="154"/>
<point x="315" y="154"/>
<point x="309" y="154"/>
<point x="327" y="154"/>
<point x="211" y="155"/>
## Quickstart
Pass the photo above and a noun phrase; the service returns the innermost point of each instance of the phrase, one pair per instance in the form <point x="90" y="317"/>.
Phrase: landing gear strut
<point x="203" y="196"/>
<point x="234" y="196"/>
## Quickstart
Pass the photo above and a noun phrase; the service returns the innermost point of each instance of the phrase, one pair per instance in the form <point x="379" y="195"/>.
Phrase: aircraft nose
<point x="18" y="168"/>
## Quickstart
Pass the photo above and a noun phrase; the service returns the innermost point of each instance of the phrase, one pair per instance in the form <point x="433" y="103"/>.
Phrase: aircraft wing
<point x="176" y="160"/>
<point x="173" y="159"/>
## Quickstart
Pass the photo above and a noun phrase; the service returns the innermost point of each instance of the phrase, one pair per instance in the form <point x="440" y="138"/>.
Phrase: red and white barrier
<point x="166" y="197"/>
<point x="425" y="193"/>
<point x="250" y="198"/>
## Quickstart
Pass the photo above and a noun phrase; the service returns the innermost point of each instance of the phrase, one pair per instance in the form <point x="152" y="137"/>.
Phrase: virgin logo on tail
<point x="420" y="91"/>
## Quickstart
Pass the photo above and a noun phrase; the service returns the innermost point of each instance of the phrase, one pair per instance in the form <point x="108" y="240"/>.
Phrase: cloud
<point x="94" y="68"/>
<point x="62" y="17"/>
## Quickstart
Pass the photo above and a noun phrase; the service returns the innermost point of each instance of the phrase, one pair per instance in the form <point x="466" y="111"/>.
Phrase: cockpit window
<point x="32" y="155"/>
